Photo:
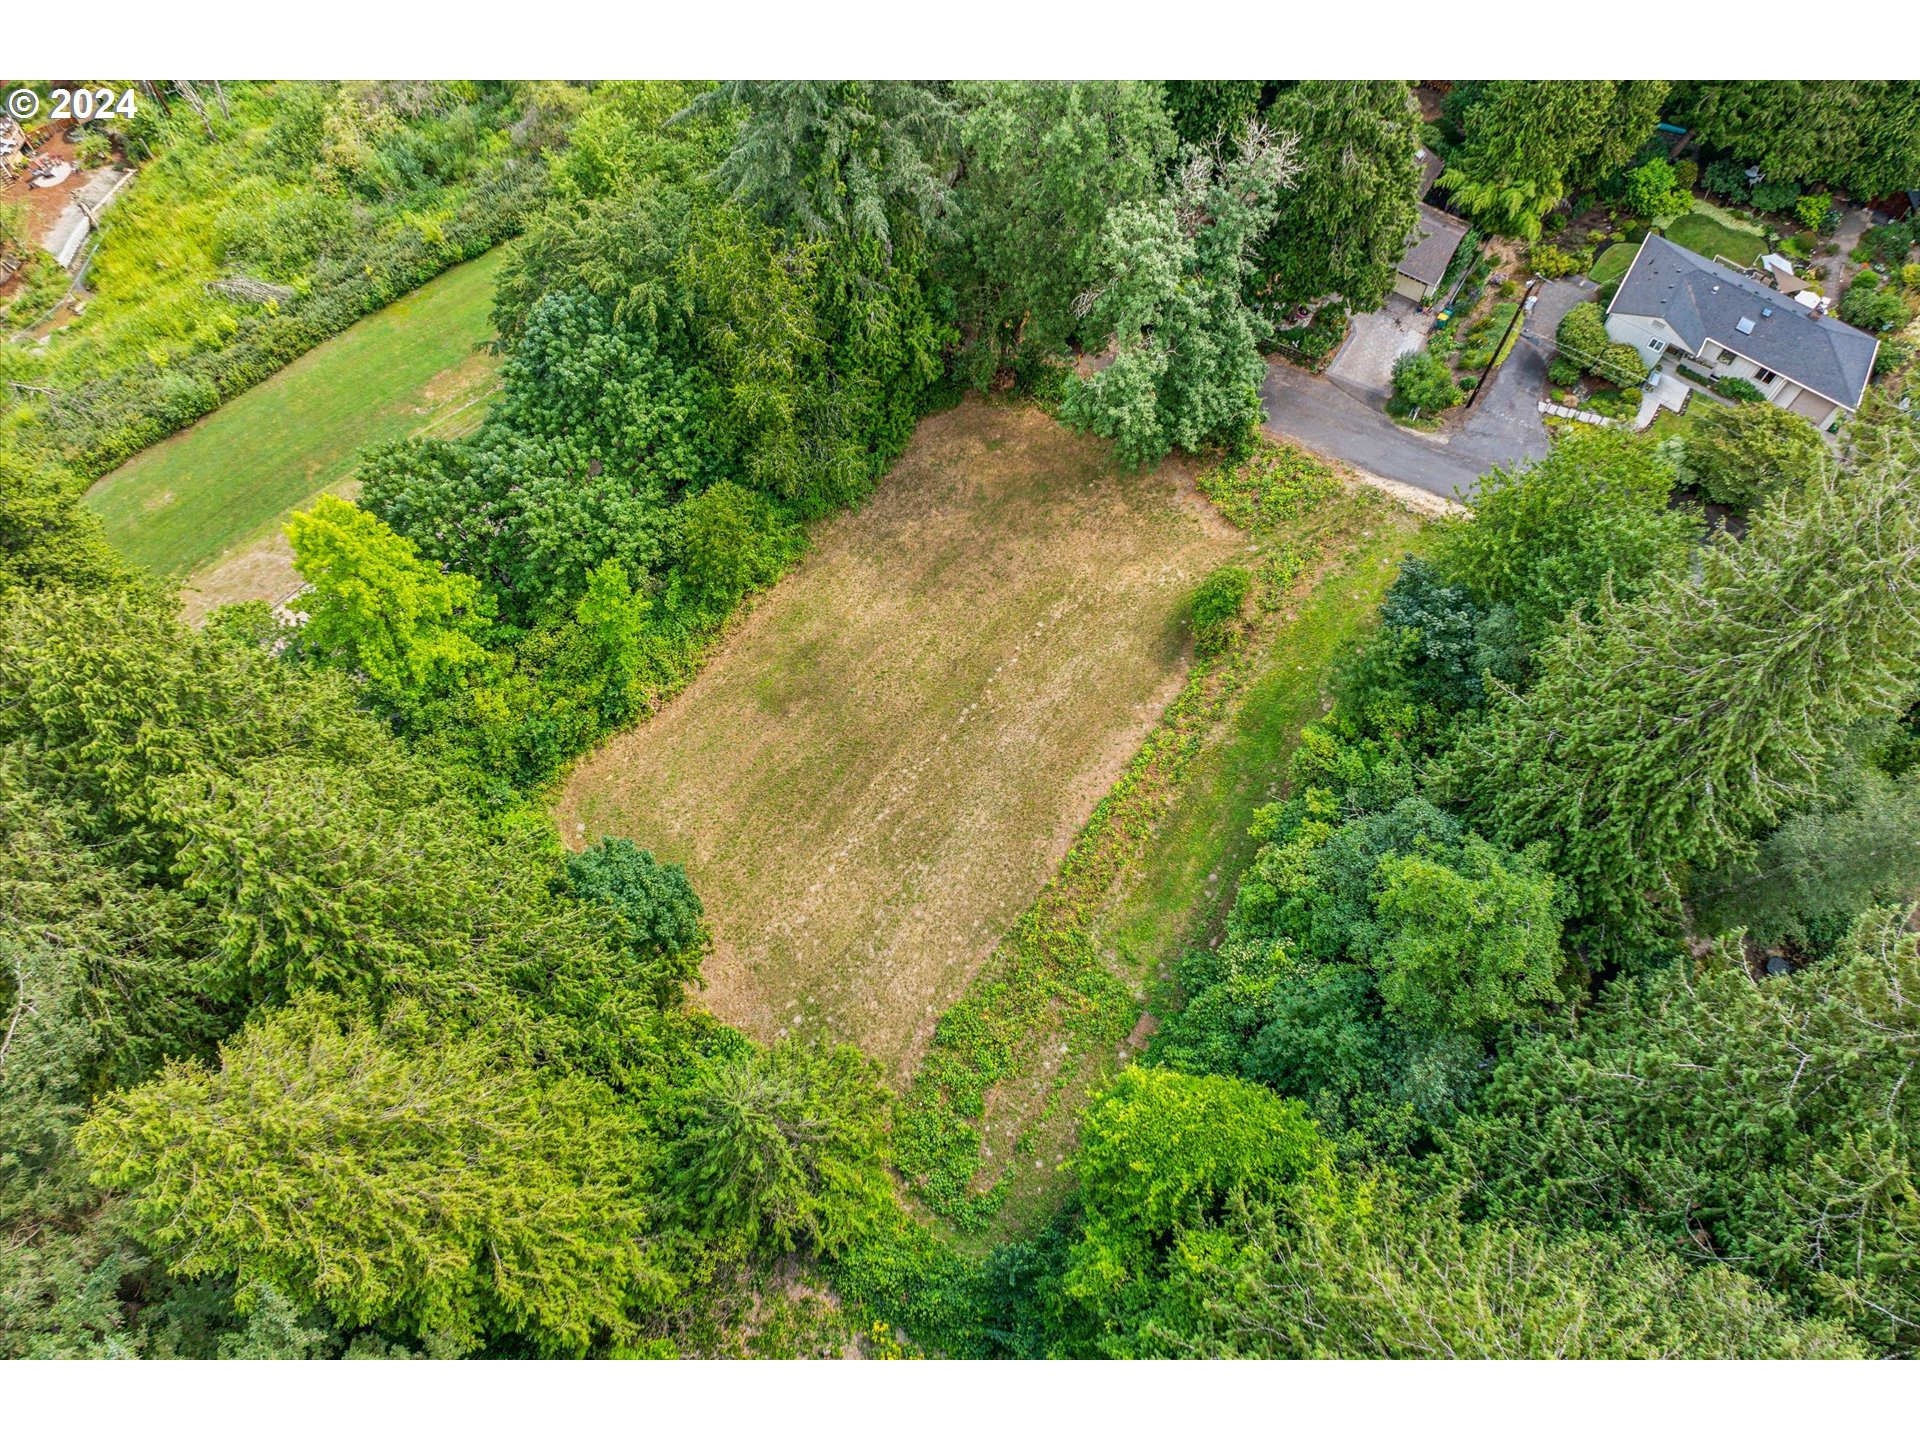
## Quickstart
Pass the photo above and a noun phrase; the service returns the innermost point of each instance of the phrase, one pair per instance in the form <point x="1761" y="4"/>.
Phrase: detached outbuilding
<point x="1429" y="251"/>
<point x="1676" y="307"/>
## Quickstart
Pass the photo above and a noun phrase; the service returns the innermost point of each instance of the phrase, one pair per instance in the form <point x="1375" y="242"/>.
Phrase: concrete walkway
<point x="1668" y="393"/>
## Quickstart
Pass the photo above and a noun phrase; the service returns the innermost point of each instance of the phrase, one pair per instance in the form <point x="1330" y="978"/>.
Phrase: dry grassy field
<point x="891" y="753"/>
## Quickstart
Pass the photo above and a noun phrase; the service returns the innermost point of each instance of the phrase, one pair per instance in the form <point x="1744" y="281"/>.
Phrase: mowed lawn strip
<point x="231" y="476"/>
<point x="1179" y="892"/>
<point x="889" y="757"/>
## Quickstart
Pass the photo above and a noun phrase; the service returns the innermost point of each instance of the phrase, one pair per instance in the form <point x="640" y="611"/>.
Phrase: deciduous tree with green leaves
<point x="1739" y="455"/>
<point x="377" y="609"/>
<point x="1187" y="370"/>
<point x="1045" y="162"/>
<point x="650" y="909"/>
<point x="1548" y="536"/>
<point x="1583" y="339"/>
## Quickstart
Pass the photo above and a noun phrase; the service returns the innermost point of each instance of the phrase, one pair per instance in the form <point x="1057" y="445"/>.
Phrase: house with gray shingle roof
<point x="1678" y="307"/>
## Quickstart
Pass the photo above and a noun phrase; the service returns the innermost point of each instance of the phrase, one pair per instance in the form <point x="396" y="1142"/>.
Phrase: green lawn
<point x="1667" y="423"/>
<point x="1182" y="892"/>
<point x="1706" y="236"/>
<point x="1614" y="262"/>
<point x="230" y="477"/>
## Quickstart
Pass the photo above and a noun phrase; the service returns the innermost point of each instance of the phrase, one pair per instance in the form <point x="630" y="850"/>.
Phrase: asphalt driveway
<point x="1502" y="428"/>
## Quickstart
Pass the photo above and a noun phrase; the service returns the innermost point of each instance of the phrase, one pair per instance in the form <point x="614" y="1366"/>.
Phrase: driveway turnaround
<point x="1374" y="342"/>
<point x="1503" y="427"/>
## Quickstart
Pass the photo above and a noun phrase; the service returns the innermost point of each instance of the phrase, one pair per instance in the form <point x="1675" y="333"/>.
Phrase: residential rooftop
<point x="1431" y="246"/>
<point x="1704" y="301"/>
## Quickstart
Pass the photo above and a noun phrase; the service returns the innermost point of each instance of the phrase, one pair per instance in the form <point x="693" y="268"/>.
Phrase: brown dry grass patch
<point x="890" y="755"/>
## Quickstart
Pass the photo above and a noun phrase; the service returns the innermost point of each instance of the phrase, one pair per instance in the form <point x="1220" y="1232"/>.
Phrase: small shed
<point x="1436" y="237"/>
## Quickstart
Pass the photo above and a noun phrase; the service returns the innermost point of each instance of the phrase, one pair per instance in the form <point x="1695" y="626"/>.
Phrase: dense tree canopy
<point x="1548" y="535"/>
<point x="1344" y="225"/>
<point x="1045" y="163"/>
<point x="1529" y="142"/>
<point x="1664" y="733"/>
<point x="822" y="158"/>
<point x="301" y="1161"/>
<point x="1561" y="1008"/>
<point x="1186" y="369"/>
<point x="1739" y="455"/>
<point x="1805" y="1182"/>
<point x="1862" y="135"/>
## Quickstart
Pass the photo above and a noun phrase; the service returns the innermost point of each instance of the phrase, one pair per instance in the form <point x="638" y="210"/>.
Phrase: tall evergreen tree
<point x="1767" y="1125"/>
<point x="1344" y="226"/>
<point x="46" y="537"/>
<point x="1663" y="734"/>
<point x="1529" y="141"/>
<point x="822" y="158"/>
<point x="395" y="1176"/>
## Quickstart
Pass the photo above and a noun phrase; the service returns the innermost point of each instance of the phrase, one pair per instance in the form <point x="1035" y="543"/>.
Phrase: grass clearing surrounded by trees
<point x="893" y="750"/>
<point x="234" y="475"/>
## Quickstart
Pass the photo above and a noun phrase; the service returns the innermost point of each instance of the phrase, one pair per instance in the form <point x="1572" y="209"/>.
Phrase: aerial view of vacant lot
<point x="892" y="752"/>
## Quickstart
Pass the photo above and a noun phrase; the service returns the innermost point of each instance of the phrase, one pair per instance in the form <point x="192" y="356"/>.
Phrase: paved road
<point x="1318" y="415"/>
<point x="1503" y="428"/>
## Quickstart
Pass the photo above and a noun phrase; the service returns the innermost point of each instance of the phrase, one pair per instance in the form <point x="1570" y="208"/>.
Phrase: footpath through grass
<point x="235" y="474"/>
<point x="988" y="1118"/>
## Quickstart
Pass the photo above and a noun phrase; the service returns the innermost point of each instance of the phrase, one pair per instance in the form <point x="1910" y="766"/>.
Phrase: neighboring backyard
<point x="1614" y="262"/>
<point x="224" y="485"/>
<point x="890" y="755"/>
<point x="1707" y="236"/>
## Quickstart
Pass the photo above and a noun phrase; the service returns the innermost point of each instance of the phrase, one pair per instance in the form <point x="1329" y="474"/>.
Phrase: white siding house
<point x="1675" y="307"/>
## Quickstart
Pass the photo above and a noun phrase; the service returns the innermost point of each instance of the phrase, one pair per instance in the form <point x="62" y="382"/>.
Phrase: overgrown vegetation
<point x="1558" y="1010"/>
<point x="345" y="195"/>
